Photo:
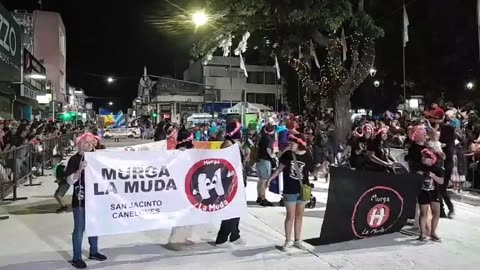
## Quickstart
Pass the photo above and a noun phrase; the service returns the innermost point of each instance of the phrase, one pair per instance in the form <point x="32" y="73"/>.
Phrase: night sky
<point x="107" y="38"/>
<point x="110" y="39"/>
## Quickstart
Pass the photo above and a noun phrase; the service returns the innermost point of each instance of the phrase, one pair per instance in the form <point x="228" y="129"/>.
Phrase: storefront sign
<point x="10" y="47"/>
<point x="34" y="73"/>
<point x="26" y="91"/>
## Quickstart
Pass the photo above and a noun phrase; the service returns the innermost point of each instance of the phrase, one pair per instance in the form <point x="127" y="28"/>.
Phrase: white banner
<point x="129" y="192"/>
<point x="153" y="146"/>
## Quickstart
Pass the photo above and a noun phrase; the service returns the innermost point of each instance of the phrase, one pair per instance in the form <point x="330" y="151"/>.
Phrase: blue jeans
<point x="77" y="235"/>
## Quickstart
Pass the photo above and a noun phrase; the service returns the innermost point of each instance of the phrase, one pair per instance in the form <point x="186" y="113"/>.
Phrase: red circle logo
<point x="376" y="212"/>
<point x="378" y="215"/>
<point x="211" y="184"/>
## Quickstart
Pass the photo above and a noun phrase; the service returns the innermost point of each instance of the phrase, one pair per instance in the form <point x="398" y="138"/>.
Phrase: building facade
<point x="50" y="47"/>
<point x="43" y="37"/>
<point x="10" y="62"/>
<point x="232" y="86"/>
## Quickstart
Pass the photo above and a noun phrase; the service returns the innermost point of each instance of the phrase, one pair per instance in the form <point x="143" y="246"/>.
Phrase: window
<point x="62" y="43"/>
<point x="219" y="72"/>
<point x="270" y="78"/>
<point x="255" y="77"/>
<point x="251" y="98"/>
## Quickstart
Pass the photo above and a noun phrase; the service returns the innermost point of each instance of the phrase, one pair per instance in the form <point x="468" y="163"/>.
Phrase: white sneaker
<point x="223" y="245"/>
<point x="298" y="244"/>
<point x="239" y="242"/>
<point x="287" y="245"/>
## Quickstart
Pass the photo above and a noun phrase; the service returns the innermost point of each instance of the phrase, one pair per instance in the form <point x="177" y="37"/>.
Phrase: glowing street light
<point x="470" y="85"/>
<point x="110" y="103"/>
<point x="373" y="71"/>
<point x="110" y="80"/>
<point x="376" y="83"/>
<point x="199" y="18"/>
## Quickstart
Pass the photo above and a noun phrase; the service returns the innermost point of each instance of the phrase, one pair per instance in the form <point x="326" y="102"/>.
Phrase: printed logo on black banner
<point x="211" y="184"/>
<point x="377" y="210"/>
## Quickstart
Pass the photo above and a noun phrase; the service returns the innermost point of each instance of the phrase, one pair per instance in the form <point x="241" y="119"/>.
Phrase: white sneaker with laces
<point x="298" y="244"/>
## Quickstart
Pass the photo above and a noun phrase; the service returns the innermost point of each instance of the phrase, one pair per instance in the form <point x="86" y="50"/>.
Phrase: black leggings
<point x="229" y="228"/>
<point x="444" y="197"/>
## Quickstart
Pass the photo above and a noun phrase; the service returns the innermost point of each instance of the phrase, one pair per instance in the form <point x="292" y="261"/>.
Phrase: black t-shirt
<point x="73" y="165"/>
<point x="447" y="136"/>
<point x="379" y="148"/>
<point x="428" y="183"/>
<point x="306" y="165"/>
<point x="266" y="142"/>
<point x="414" y="157"/>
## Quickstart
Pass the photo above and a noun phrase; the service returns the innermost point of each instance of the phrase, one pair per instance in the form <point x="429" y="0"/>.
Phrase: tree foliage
<point x="281" y="27"/>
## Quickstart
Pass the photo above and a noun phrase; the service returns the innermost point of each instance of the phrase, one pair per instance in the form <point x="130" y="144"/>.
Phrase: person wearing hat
<point x="297" y="164"/>
<point x="229" y="229"/>
<point x="180" y="236"/>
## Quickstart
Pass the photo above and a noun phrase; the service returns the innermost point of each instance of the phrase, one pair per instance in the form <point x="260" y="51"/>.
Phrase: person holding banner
<point x="76" y="176"/>
<point x="179" y="236"/>
<point x="229" y="229"/>
<point x="296" y="164"/>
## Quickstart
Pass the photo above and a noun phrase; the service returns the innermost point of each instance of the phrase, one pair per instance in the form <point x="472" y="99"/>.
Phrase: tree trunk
<point x="343" y="124"/>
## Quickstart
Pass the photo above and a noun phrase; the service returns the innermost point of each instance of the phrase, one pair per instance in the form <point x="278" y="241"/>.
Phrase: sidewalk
<point x="36" y="238"/>
<point x="469" y="197"/>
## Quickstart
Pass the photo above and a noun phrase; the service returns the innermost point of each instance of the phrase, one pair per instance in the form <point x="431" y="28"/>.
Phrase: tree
<point x="289" y="29"/>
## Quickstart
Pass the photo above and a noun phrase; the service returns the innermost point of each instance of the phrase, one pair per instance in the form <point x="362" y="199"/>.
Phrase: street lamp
<point x="110" y="80"/>
<point x="470" y="85"/>
<point x="376" y="83"/>
<point x="110" y="103"/>
<point x="373" y="71"/>
<point x="199" y="18"/>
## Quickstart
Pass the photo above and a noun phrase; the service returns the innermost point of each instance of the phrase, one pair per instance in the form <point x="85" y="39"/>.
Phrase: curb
<point x="475" y="201"/>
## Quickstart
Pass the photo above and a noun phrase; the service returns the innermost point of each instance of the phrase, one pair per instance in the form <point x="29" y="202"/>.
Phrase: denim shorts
<point x="291" y="199"/>
<point x="264" y="169"/>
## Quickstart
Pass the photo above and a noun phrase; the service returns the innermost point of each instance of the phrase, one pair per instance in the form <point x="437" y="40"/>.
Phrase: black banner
<point x="363" y="204"/>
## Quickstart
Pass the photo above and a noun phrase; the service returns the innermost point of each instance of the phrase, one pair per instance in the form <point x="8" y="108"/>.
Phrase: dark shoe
<point x="97" y="257"/>
<point x="451" y="214"/>
<point x="62" y="209"/>
<point x="265" y="202"/>
<point x="259" y="200"/>
<point x="79" y="264"/>
<point x="422" y="238"/>
<point x="435" y="238"/>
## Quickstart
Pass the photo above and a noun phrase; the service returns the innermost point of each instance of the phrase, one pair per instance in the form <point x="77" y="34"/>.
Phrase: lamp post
<point x="470" y="85"/>
<point x="199" y="18"/>
<point x="110" y="80"/>
<point x="373" y="71"/>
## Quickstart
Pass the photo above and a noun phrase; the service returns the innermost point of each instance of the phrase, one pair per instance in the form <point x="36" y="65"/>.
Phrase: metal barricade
<point x="18" y="165"/>
<point x="15" y="169"/>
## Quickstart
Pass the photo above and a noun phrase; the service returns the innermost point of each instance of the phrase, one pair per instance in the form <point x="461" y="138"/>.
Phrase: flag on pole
<point x="344" y="45"/>
<point x="314" y="54"/>
<point x="242" y="65"/>
<point x="406" y="23"/>
<point x="277" y="67"/>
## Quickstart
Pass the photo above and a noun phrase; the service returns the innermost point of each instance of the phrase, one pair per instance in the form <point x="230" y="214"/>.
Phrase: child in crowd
<point x="428" y="198"/>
